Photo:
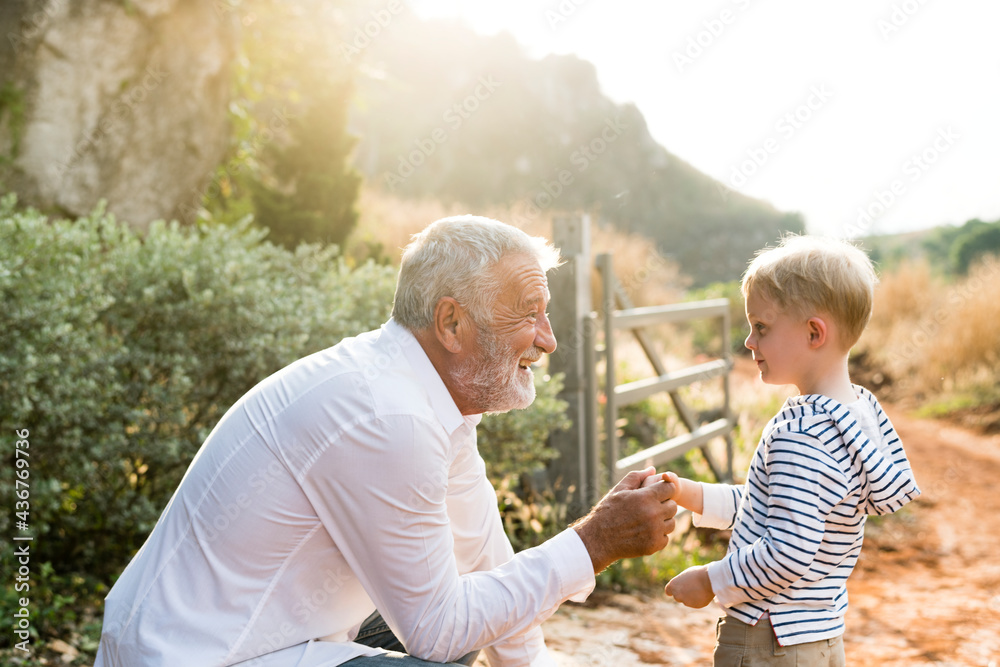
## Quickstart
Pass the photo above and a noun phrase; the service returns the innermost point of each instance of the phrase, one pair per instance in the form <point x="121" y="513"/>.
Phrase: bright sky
<point x="887" y="106"/>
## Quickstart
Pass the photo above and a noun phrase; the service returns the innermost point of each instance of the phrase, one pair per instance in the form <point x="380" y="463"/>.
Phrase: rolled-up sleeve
<point x="720" y="504"/>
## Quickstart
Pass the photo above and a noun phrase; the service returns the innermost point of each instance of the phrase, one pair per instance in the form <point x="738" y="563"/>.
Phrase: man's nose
<point x="544" y="338"/>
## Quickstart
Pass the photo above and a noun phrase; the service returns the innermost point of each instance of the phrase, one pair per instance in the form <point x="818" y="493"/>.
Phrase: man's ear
<point x="449" y="323"/>
<point x="818" y="332"/>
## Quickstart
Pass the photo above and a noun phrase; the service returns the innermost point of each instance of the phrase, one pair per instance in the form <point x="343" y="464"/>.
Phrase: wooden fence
<point x="590" y="459"/>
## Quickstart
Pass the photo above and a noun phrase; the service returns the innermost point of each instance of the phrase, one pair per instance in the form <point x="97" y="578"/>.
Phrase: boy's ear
<point x="817" y="329"/>
<point x="449" y="323"/>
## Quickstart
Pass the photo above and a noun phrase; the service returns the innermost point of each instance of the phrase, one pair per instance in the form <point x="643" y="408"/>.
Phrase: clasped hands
<point x="635" y="519"/>
<point x="632" y="520"/>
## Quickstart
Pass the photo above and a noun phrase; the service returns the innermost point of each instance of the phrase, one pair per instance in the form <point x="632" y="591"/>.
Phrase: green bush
<point x="121" y="352"/>
<point x="514" y="444"/>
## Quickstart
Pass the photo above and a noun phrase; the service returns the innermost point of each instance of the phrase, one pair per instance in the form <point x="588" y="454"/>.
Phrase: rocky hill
<point x="446" y="113"/>
<point x="141" y="120"/>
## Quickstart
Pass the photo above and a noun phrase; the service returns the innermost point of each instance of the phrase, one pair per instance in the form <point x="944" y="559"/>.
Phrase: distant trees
<point x="308" y="191"/>
<point x="983" y="240"/>
<point x="471" y="120"/>
<point x="958" y="248"/>
<point x="289" y="163"/>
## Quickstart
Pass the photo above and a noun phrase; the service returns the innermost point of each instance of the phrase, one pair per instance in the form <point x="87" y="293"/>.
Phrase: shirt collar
<point x="440" y="398"/>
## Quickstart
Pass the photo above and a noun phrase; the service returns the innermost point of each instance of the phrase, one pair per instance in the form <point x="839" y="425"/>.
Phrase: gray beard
<point x="489" y="383"/>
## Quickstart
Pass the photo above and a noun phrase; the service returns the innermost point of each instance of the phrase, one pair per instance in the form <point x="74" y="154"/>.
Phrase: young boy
<point x="825" y="462"/>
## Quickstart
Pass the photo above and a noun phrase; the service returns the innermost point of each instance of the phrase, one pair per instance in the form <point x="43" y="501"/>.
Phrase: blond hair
<point x="814" y="274"/>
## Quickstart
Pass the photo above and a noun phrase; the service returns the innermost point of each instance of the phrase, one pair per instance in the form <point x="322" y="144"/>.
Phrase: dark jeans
<point x="375" y="633"/>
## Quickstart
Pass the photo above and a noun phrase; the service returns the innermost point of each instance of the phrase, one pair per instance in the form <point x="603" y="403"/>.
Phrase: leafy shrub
<point x="121" y="353"/>
<point x="530" y="516"/>
<point x="515" y="442"/>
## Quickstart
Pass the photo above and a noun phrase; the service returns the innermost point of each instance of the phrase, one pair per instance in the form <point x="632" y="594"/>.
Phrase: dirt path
<point x="926" y="590"/>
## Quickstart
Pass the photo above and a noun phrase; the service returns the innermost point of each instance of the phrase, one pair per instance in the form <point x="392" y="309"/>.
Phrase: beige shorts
<point x="742" y="645"/>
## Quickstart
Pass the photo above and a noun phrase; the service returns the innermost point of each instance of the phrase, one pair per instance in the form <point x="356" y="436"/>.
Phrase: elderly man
<point x="349" y="482"/>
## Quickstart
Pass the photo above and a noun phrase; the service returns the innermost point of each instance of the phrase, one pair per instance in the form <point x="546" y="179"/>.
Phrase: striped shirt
<point x="798" y="521"/>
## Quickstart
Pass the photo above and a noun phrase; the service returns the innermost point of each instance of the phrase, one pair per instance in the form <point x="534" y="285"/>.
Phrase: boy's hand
<point x="692" y="587"/>
<point x="688" y="495"/>
<point x="655" y="478"/>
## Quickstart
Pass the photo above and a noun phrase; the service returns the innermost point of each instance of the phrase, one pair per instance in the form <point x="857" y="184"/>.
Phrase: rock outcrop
<point x="123" y="101"/>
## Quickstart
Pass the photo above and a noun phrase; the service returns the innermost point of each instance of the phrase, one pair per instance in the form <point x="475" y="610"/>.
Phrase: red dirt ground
<point x="926" y="590"/>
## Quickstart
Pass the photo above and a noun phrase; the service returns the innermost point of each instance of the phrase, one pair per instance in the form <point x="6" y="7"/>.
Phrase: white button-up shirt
<point x="346" y="482"/>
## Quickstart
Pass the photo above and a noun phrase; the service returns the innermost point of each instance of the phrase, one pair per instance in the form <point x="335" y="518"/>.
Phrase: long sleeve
<point x="397" y="467"/>
<point x="481" y="544"/>
<point x="820" y="468"/>
<point x="782" y="540"/>
<point x="348" y="481"/>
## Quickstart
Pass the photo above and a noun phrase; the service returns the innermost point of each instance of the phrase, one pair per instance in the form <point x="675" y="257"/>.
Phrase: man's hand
<point x="692" y="587"/>
<point x="689" y="493"/>
<point x="628" y="522"/>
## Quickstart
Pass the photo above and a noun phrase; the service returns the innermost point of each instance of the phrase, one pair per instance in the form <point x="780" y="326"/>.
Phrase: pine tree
<point x="310" y="191"/>
<point x="290" y="150"/>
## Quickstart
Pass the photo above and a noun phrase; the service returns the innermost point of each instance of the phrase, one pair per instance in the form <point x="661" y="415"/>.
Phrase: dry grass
<point x="389" y="222"/>
<point x="935" y="338"/>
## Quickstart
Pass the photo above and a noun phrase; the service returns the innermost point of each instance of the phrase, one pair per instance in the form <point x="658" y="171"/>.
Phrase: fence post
<point x="727" y="354"/>
<point x="606" y="265"/>
<point x="569" y="312"/>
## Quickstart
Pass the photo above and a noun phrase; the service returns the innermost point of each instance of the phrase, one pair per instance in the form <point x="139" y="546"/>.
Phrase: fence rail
<point x="633" y="392"/>
<point x="634" y="318"/>
<point x="670" y="449"/>
<point x="624" y="317"/>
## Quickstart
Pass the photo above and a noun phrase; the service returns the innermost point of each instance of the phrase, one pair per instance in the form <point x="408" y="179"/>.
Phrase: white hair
<point x="456" y="257"/>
